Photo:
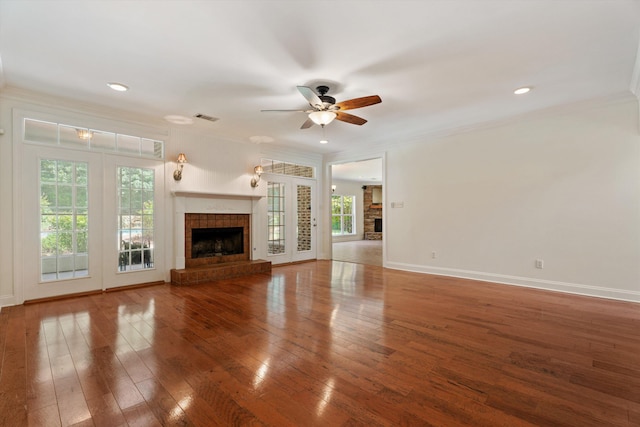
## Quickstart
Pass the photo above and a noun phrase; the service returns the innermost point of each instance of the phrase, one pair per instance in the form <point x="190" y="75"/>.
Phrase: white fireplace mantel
<point x="207" y="194"/>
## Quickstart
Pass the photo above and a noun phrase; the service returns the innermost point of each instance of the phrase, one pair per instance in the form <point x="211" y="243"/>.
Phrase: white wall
<point x="347" y="188"/>
<point x="562" y="188"/>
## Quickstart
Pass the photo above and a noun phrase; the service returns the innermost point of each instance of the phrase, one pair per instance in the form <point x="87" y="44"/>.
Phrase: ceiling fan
<point x="324" y="107"/>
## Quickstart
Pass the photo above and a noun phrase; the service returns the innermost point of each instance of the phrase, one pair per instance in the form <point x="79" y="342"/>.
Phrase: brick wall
<point x="371" y="212"/>
<point x="304" y="217"/>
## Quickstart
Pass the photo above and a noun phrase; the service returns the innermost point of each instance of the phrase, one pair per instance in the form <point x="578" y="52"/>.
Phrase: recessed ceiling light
<point x="324" y="141"/>
<point x="522" y="90"/>
<point x="118" y="86"/>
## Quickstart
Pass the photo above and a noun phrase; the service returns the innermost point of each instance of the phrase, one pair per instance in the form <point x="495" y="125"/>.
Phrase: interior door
<point x="291" y="219"/>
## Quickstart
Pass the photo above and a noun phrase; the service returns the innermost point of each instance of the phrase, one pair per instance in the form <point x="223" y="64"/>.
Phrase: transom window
<point x="69" y="136"/>
<point x="284" y="168"/>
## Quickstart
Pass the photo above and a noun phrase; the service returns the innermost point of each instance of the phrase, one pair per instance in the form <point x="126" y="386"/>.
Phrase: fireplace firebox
<point x="216" y="238"/>
<point x="210" y="242"/>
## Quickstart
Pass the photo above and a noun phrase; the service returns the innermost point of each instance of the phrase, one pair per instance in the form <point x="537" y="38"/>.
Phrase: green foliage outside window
<point x="342" y="215"/>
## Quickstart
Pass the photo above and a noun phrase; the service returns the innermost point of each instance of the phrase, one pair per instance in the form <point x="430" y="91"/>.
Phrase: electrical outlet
<point x="540" y="263"/>
<point x="433" y="255"/>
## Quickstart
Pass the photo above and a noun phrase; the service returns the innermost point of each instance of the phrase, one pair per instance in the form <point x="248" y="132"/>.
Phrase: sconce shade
<point x="322" y="117"/>
<point x="182" y="159"/>
<point x="257" y="172"/>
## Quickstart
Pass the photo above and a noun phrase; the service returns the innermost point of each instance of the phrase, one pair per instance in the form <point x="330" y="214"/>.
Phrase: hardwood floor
<point x="359" y="251"/>
<point x="322" y="343"/>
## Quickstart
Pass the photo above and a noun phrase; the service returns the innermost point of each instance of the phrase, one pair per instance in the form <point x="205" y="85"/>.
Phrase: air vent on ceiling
<point x="205" y="117"/>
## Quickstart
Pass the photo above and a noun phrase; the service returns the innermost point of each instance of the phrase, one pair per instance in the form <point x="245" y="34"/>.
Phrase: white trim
<point x="549" y="285"/>
<point x="63" y="107"/>
<point x="217" y="195"/>
<point x="18" y="217"/>
<point x="635" y="75"/>
<point x="7" y="301"/>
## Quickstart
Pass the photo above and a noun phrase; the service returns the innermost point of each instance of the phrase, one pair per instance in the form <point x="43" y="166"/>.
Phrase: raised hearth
<point x="195" y="275"/>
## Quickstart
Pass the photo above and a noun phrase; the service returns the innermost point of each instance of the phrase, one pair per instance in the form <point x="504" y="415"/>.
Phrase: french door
<point x="90" y="221"/>
<point x="291" y="219"/>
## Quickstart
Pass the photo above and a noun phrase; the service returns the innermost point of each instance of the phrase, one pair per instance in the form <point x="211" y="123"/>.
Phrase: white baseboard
<point x="572" y="288"/>
<point x="6" y="301"/>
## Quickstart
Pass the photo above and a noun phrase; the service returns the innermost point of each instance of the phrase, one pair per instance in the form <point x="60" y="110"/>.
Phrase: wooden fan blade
<point x="365" y="101"/>
<point x="310" y="96"/>
<point x="307" y="124"/>
<point x="350" y="118"/>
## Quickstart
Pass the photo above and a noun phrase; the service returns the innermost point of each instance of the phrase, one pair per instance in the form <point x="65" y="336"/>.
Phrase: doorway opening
<point x="357" y="212"/>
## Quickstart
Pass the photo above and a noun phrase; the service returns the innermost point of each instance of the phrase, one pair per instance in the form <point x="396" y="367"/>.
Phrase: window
<point x="77" y="137"/>
<point x="275" y="215"/>
<point x="342" y="215"/>
<point x="64" y="219"/>
<point x="284" y="168"/>
<point x="135" y="218"/>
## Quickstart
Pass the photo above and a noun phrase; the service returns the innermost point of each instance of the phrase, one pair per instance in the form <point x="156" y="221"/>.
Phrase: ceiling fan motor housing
<point x="327" y="101"/>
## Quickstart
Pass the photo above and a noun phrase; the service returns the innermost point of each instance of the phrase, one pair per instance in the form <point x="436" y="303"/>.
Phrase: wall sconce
<point x="177" y="174"/>
<point x="333" y="188"/>
<point x="257" y="173"/>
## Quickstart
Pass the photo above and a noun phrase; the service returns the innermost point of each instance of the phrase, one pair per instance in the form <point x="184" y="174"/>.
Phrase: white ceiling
<point x="437" y="65"/>
<point x="365" y="171"/>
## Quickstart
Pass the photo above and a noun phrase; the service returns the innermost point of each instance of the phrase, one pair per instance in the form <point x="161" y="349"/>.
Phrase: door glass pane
<point x="275" y="215"/>
<point x="135" y="218"/>
<point x="64" y="220"/>
<point x="303" y="229"/>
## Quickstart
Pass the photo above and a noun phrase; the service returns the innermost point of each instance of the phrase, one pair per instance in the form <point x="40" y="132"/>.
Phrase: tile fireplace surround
<point x="195" y="212"/>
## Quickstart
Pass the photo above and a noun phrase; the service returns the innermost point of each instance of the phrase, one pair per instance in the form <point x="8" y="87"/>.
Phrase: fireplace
<point x="217" y="241"/>
<point x="213" y="238"/>
<point x="377" y="225"/>
<point x="216" y="238"/>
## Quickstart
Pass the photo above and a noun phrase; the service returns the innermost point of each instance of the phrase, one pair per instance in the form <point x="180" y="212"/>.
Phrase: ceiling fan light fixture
<point x="322" y="117"/>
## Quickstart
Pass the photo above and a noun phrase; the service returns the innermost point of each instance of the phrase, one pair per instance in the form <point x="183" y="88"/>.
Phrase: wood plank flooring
<point x="322" y="343"/>
<point x="359" y="251"/>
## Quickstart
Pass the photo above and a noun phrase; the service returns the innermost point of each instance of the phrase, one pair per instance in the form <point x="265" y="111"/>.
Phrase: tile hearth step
<point x="208" y="273"/>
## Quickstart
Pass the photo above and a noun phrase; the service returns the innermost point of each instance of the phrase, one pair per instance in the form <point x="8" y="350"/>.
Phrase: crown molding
<point x="48" y="101"/>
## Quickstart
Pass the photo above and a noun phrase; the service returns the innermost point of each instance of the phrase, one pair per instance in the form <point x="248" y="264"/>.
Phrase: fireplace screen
<point x="212" y="242"/>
